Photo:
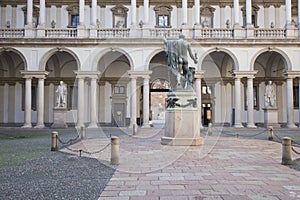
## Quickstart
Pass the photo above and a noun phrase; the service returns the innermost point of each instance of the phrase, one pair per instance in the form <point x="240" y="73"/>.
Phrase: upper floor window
<point x="119" y="16"/>
<point x="73" y="15"/>
<point x="35" y="15"/>
<point x="163" y="16"/>
<point x="207" y="16"/>
<point x="253" y="16"/>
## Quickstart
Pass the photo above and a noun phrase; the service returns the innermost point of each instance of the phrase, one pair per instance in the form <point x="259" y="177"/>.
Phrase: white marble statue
<point x="270" y="95"/>
<point x="61" y="92"/>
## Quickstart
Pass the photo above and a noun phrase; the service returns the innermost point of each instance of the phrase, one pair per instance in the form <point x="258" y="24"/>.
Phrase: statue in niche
<point x="61" y="92"/>
<point x="270" y="95"/>
<point x="177" y="51"/>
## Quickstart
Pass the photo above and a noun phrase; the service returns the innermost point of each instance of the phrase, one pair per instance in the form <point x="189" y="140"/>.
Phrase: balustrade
<point x="202" y="33"/>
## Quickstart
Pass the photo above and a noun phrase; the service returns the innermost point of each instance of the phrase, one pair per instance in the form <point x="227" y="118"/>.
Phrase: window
<point x="207" y="16"/>
<point x="74" y="20"/>
<point x="163" y="16"/>
<point x="206" y="90"/>
<point x="296" y="97"/>
<point x="253" y="16"/>
<point x="73" y="13"/>
<point x="119" y="16"/>
<point x="35" y="16"/>
<point x="163" y="20"/>
<point x="119" y="90"/>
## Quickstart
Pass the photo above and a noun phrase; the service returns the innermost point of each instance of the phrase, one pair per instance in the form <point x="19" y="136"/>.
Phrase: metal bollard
<point x="54" y="146"/>
<point x="115" y="155"/>
<point x="286" y="151"/>
<point x="209" y="130"/>
<point x="271" y="134"/>
<point x="82" y="131"/>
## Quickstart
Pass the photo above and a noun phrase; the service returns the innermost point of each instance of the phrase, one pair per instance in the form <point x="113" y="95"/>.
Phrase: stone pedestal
<point x="271" y="117"/>
<point x="182" y="127"/>
<point x="60" y="118"/>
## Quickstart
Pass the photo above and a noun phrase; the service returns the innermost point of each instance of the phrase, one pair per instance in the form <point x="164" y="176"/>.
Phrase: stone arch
<point x="50" y="53"/>
<point x="100" y="55"/>
<point x="286" y="60"/>
<point x="235" y="60"/>
<point x="152" y="55"/>
<point x="18" y="53"/>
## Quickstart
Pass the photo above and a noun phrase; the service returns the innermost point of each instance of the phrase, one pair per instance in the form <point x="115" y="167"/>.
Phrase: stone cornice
<point x="242" y="74"/>
<point x="87" y="74"/>
<point x="137" y="74"/>
<point x="34" y="74"/>
<point x="291" y="74"/>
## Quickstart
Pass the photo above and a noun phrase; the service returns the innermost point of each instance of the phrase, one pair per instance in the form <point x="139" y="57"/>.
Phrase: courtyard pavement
<point x="225" y="167"/>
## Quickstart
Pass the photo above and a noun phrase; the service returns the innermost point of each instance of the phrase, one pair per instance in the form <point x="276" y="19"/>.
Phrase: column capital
<point x="199" y="74"/>
<point x="35" y="74"/>
<point x="87" y="74"/>
<point x="291" y="74"/>
<point x="137" y="74"/>
<point x="242" y="74"/>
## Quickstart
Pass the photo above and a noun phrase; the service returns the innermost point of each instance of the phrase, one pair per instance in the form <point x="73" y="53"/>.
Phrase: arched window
<point x="119" y="16"/>
<point x="207" y="16"/>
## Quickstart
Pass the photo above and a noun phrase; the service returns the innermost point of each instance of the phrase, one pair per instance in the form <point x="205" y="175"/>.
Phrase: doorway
<point x="119" y="114"/>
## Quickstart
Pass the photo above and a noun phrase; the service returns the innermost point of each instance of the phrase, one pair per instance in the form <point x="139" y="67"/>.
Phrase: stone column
<point x="288" y="12"/>
<point x="40" y="105"/>
<point x="146" y="12"/>
<point x="80" y="106"/>
<point x="266" y="16"/>
<point x="222" y="16"/>
<point x="146" y="91"/>
<point x="299" y="101"/>
<point x="237" y="101"/>
<point x="289" y="102"/>
<point x="184" y="12"/>
<point x="248" y="13"/>
<point x="133" y="13"/>
<point x="277" y="15"/>
<point x="198" y="77"/>
<point x="93" y="106"/>
<point x="27" y="123"/>
<point x="133" y="101"/>
<point x="236" y="11"/>
<point x="250" y="111"/>
<point x="298" y="15"/>
<point x="94" y="13"/>
<point x="81" y="12"/>
<point x="29" y="12"/>
<point x="197" y="12"/>
<point x="42" y="17"/>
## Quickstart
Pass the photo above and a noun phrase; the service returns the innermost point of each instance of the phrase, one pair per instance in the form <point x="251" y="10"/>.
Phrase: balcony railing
<point x="11" y="33"/>
<point x="200" y="33"/>
<point x="61" y="33"/>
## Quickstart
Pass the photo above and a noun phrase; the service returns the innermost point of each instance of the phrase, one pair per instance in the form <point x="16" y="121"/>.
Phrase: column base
<point x="238" y="126"/>
<point x="146" y="126"/>
<point x="40" y="126"/>
<point x="27" y="126"/>
<point x="93" y="125"/>
<point x="251" y="125"/>
<point x="291" y="126"/>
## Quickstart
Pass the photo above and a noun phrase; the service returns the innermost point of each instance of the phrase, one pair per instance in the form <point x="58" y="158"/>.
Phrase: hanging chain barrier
<point x="237" y="135"/>
<point x="66" y="144"/>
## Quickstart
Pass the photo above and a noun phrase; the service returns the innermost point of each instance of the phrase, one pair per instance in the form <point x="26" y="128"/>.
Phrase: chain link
<point x="69" y="141"/>
<point x="294" y="150"/>
<point x="87" y="152"/>
<point x="246" y="136"/>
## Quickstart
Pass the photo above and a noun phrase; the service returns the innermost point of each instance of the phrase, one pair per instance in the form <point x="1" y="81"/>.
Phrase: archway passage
<point x="114" y="101"/>
<point x="12" y="88"/>
<point x="159" y="90"/>
<point x="216" y="89"/>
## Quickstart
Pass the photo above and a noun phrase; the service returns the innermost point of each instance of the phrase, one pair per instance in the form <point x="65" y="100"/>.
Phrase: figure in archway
<point x="270" y="95"/>
<point x="61" y="92"/>
<point x="177" y="52"/>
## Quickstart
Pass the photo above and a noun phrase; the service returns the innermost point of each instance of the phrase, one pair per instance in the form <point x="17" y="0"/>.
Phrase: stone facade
<point x="109" y="69"/>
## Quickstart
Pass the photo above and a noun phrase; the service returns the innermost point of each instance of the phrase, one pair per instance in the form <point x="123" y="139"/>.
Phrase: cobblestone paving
<point x="223" y="168"/>
<point x="29" y="170"/>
